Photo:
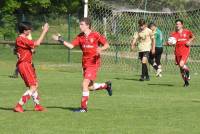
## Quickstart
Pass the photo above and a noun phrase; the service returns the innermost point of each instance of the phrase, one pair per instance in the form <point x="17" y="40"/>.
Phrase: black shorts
<point x="156" y="57"/>
<point x="143" y="54"/>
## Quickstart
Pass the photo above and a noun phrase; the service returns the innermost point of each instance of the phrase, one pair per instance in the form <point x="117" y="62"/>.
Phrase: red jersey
<point x="89" y="45"/>
<point x="23" y="48"/>
<point x="182" y="39"/>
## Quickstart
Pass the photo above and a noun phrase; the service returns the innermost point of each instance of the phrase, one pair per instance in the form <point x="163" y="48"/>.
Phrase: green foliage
<point x="9" y="9"/>
<point x="7" y="27"/>
<point x="9" y="6"/>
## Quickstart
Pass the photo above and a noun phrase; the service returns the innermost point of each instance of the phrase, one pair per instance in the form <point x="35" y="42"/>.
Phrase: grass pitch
<point x="159" y="106"/>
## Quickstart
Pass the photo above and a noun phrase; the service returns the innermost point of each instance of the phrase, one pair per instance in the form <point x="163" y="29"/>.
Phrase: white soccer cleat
<point x="158" y="73"/>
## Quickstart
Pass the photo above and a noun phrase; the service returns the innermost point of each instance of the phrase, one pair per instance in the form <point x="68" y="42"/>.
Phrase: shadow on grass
<point x="161" y="84"/>
<point x="6" y="109"/>
<point x="60" y="107"/>
<point x="12" y="109"/>
<point x="196" y="101"/>
<point x="131" y="79"/>
<point x="4" y="75"/>
<point x="73" y="109"/>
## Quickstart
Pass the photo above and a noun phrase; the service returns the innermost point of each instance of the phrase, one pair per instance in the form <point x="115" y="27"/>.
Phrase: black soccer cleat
<point x="147" y="78"/>
<point x="186" y="84"/>
<point x="109" y="87"/>
<point x="80" y="110"/>
<point x="13" y="76"/>
<point x="141" y="79"/>
<point x="187" y="74"/>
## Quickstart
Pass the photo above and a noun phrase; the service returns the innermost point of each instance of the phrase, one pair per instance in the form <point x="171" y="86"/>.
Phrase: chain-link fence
<point x="65" y="24"/>
<point x="119" y="25"/>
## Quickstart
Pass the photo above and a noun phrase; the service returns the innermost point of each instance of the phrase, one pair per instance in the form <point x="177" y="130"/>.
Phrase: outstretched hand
<point x="55" y="37"/>
<point x="188" y="43"/>
<point x="45" y="28"/>
<point x="58" y="37"/>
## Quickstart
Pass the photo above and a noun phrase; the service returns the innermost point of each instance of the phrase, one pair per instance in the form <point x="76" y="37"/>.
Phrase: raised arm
<point x="42" y="35"/>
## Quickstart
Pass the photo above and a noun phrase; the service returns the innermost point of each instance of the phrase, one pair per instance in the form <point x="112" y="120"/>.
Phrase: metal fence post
<point x="69" y="37"/>
<point x="116" y="53"/>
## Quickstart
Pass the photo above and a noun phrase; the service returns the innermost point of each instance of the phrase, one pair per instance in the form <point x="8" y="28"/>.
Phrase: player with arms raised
<point x="89" y="42"/>
<point x="24" y="47"/>
<point x="184" y="38"/>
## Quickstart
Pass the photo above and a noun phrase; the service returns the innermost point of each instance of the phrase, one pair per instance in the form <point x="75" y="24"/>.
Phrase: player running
<point x="89" y="42"/>
<point x="154" y="59"/>
<point x="145" y="40"/>
<point x="24" y="47"/>
<point x="184" y="38"/>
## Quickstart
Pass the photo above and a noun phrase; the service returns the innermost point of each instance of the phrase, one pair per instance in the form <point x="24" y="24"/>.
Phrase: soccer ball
<point x="29" y="36"/>
<point x="172" y="41"/>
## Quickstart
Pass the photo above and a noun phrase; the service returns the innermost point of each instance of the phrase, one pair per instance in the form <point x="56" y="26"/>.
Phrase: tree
<point x="9" y="9"/>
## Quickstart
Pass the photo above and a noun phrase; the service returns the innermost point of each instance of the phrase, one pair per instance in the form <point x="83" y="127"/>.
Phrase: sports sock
<point x="186" y="72"/>
<point x="26" y="96"/>
<point x="155" y="66"/>
<point x="36" y="98"/>
<point x="143" y="70"/>
<point x="84" y="99"/>
<point x="146" y="71"/>
<point x="182" y="73"/>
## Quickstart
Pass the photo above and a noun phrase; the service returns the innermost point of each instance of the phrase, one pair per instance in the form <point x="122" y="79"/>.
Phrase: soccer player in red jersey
<point x="89" y="42"/>
<point x="24" y="48"/>
<point x="184" y="38"/>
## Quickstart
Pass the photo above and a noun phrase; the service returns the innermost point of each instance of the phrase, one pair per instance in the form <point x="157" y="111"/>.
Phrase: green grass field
<point x="159" y="106"/>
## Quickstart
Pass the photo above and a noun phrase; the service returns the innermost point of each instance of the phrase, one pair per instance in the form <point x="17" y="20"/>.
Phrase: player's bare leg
<point x="144" y="69"/>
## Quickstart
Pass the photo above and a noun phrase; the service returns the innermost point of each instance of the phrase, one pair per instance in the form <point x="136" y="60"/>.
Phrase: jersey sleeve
<point x="190" y="34"/>
<point x="30" y="43"/>
<point x="25" y="43"/>
<point x="102" y="39"/>
<point x="76" y="41"/>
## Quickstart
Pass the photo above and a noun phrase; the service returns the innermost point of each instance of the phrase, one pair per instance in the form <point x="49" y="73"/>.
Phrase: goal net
<point x="117" y="20"/>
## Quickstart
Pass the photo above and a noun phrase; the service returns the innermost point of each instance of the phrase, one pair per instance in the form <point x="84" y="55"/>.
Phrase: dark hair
<point x="24" y="26"/>
<point x="141" y="22"/>
<point x="179" y="20"/>
<point x="151" y="24"/>
<point x="87" y="21"/>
